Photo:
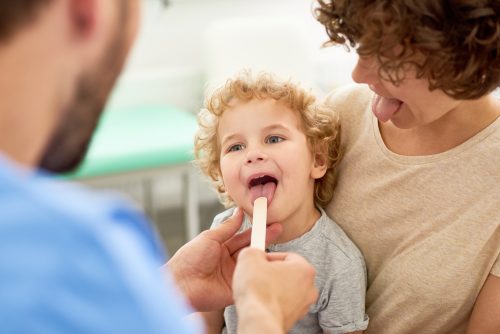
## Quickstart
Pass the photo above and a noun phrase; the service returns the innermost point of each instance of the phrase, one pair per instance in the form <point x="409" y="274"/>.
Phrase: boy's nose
<point x="255" y="156"/>
<point x="365" y="71"/>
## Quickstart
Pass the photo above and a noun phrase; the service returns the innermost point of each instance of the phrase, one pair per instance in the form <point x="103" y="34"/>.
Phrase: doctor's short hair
<point x="319" y="123"/>
<point x="14" y="14"/>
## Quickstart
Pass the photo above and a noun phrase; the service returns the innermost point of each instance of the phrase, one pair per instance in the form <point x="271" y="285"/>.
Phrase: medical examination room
<point x="265" y="166"/>
<point x="179" y="52"/>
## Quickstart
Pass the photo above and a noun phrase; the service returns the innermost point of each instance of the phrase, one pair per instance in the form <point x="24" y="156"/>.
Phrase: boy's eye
<point x="234" y="148"/>
<point x="274" y="139"/>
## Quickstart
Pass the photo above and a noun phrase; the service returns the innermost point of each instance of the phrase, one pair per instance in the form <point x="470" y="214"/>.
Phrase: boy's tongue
<point x="263" y="190"/>
<point x="384" y="108"/>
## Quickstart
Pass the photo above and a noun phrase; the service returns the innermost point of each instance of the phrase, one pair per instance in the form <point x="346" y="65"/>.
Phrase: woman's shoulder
<point x="352" y="105"/>
<point x="349" y="98"/>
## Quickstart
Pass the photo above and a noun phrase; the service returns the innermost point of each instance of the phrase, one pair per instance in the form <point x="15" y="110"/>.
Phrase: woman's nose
<point x="365" y="71"/>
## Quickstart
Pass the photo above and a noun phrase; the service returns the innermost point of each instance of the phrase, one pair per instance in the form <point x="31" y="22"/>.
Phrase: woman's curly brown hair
<point x="319" y="123"/>
<point x="455" y="44"/>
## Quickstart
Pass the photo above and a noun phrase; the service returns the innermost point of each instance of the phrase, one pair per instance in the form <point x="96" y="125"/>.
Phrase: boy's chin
<point x="272" y="217"/>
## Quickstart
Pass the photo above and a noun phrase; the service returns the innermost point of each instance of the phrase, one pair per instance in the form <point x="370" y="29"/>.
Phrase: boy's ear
<point x="320" y="164"/>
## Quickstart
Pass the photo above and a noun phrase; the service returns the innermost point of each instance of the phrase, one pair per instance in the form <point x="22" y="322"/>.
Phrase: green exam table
<point x="139" y="144"/>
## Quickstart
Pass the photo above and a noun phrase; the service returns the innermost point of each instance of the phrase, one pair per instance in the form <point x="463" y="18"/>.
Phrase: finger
<point x="315" y="296"/>
<point x="312" y="298"/>
<point x="247" y="254"/>
<point x="241" y="240"/>
<point x="238" y="241"/>
<point x="284" y="256"/>
<point x="276" y="256"/>
<point x="228" y="228"/>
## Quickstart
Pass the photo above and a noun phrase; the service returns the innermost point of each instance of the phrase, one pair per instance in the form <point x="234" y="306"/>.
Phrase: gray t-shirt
<point x="340" y="278"/>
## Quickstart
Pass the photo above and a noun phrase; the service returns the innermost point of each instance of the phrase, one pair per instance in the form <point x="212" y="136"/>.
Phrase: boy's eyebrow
<point x="276" y="127"/>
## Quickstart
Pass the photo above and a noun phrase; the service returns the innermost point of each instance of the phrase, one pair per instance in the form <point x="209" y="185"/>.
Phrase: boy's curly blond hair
<point x="319" y="124"/>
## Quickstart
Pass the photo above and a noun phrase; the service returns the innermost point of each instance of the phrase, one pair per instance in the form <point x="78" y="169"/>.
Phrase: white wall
<point x="168" y="62"/>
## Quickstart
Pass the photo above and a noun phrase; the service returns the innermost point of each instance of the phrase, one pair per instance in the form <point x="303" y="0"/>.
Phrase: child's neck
<point x="298" y="223"/>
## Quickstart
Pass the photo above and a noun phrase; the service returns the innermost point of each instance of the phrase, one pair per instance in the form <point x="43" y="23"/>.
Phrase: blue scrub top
<point x="75" y="261"/>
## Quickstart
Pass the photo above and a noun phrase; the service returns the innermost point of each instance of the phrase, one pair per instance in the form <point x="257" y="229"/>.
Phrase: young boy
<point x="262" y="137"/>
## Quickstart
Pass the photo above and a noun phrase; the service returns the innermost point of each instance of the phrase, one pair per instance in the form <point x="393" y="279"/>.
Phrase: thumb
<point x="228" y="228"/>
<point x="251" y="254"/>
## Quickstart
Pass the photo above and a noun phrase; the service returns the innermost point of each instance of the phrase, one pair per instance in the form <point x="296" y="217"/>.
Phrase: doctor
<point x="73" y="261"/>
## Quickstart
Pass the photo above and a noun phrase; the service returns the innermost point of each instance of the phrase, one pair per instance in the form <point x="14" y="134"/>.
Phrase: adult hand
<point x="203" y="268"/>
<point x="272" y="291"/>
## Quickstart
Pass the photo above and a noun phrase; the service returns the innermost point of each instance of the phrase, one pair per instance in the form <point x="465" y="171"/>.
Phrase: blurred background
<point x="143" y="147"/>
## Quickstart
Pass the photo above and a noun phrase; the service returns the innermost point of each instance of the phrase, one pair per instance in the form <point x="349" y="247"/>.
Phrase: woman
<point x="418" y="188"/>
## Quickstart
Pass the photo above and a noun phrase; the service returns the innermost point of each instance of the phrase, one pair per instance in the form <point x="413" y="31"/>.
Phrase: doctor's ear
<point x="83" y="14"/>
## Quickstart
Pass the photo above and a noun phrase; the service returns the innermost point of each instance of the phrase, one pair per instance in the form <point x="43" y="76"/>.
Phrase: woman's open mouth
<point x="385" y="107"/>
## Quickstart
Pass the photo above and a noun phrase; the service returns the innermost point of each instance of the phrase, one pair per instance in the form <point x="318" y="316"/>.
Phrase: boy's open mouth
<point x="262" y="186"/>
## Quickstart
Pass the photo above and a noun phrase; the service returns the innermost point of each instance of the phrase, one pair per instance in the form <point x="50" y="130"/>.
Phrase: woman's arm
<point x="485" y="318"/>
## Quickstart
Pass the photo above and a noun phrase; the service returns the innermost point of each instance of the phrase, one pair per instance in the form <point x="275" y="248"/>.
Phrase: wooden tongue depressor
<point x="258" y="239"/>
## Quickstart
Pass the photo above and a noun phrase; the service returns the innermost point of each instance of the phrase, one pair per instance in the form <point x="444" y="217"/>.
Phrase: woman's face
<point x="410" y="104"/>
